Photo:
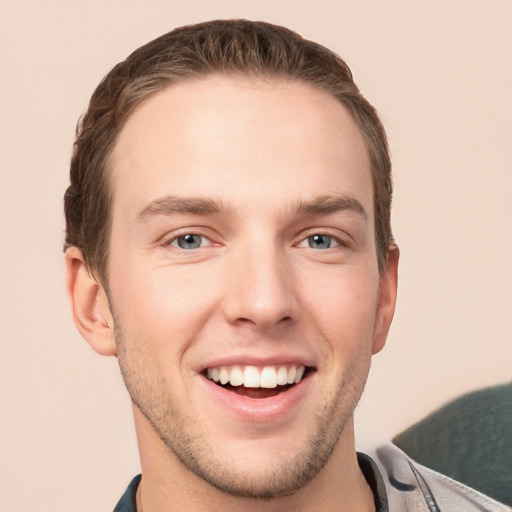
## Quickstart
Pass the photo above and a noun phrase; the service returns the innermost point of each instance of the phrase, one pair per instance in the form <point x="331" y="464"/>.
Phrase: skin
<point x="256" y="287"/>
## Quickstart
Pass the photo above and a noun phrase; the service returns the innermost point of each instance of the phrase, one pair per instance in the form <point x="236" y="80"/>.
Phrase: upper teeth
<point x="257" y="377"/>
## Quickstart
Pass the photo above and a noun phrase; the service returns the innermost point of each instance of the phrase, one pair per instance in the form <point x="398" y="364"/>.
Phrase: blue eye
<point x="321" y="241"/>
<point x="189" y="241"/>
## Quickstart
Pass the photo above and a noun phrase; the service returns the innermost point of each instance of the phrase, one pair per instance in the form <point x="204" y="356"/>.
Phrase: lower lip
<point x="259" y="410"/>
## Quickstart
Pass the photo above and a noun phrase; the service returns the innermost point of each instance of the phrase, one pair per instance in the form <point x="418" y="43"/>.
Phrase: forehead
<point x="247" y="142"/>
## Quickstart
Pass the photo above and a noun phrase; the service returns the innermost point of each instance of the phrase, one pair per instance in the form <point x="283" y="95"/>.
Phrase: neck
<point x="168" y="486"/>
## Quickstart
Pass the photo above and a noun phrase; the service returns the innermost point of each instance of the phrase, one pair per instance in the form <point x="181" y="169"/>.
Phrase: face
<point x="243" y="278"/>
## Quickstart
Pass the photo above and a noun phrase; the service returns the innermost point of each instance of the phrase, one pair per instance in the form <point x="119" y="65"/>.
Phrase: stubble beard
<point x="177" y="431"/>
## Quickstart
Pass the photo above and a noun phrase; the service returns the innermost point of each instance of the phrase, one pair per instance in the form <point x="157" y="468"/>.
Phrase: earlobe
<point x="387" y="299"/>
<point x="89" y="304"/>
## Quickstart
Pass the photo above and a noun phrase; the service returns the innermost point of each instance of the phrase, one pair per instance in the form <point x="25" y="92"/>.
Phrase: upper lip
<point x="252" y="360"/>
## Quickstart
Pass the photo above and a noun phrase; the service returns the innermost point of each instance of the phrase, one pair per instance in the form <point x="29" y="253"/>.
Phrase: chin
<point x="257" y="470"/>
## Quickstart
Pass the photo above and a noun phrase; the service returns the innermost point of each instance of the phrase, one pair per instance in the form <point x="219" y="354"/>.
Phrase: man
<point x="229" y="241"/>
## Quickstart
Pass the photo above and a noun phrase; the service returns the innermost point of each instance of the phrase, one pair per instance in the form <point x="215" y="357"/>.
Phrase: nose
<point x="261" y="289"/>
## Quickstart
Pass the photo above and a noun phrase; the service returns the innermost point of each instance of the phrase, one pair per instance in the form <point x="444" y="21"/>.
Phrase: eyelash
<point x="338" y="241"/>
<point x="173" y="240"/>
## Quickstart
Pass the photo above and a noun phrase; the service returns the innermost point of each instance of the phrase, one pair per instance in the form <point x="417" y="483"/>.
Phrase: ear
<point x="387" y="299"/>
<point x="89" y="304"/>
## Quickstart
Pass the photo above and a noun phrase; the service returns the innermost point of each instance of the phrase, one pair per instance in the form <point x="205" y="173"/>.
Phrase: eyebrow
<point x="172" y="204"/>
<point x="321" y="205"/>
<point x="325" y="205"/>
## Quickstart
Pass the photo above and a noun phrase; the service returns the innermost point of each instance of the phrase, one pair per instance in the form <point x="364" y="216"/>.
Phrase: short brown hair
<point x="230" y="47"/>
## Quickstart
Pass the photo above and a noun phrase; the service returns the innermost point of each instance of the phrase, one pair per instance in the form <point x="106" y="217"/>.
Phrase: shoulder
<point x="411" y="486"/>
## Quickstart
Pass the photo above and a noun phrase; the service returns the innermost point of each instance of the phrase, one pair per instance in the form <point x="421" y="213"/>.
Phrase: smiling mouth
<point x="257" y="382"/>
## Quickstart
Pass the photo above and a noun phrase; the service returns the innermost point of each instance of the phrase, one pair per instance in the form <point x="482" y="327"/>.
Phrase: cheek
<point x="343" y="305"/>
<point x="163" y="304"/>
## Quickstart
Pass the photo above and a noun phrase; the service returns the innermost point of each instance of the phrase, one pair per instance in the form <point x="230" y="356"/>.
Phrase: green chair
<point x="469" y="440"/>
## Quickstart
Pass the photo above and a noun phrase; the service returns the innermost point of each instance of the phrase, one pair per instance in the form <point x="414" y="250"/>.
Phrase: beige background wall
<point x="440" y="72"/>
